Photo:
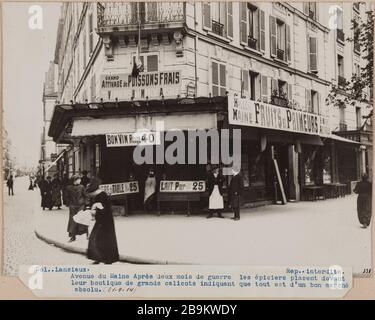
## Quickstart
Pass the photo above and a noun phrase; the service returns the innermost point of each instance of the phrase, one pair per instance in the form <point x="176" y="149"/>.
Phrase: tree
<point x="355" y="91"/>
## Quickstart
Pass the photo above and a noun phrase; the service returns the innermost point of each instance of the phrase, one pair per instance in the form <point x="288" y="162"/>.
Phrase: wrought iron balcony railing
<point x="252" y="43"/>
<point x="343" y="126"/>
<point x="280" y="54"/>
<point x="340" y="35"/>
<point x="217" y="28"/>
<point x="279" y="101"/>
<point x="116" y="14"/>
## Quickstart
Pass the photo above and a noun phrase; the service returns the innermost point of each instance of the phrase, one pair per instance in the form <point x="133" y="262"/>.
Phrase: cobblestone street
<point x="21" y="246"/>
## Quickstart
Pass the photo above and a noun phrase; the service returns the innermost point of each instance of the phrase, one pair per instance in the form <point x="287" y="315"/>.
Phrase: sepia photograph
<point x="187" y="133"/>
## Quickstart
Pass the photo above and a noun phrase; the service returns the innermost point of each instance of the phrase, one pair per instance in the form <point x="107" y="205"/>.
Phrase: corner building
<point x="200" y="60"/>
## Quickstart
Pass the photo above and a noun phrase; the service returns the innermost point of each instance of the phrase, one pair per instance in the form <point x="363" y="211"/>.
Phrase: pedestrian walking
<point x="215" y="189"/>
<point x="45" y="186"/>
<point x="150" y="190"/>
<point x="364" y="201"/>
<point x="76" y="199"/>
<point x="31" y="185"/>
<point x="56" y="192"/>
<point x="235" y="190"/>
<point x="64" y="188"/>
<point x="102" y="245"/>
<point x="10" y="183"/>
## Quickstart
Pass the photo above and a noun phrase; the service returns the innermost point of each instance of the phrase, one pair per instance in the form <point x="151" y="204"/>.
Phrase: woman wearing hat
<point x="215" y="190"/>
<point x="102" y="242"/>
<point x="364" y="190"/>
<point x="76" y="199"/>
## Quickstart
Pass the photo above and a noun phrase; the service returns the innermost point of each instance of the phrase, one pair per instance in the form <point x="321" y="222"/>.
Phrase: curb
<point x="123" y="258"/>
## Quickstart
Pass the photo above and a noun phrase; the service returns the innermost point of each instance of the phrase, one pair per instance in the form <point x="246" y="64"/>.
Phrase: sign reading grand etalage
<point x="146" y="84"/>
<point x="245" y="112"/>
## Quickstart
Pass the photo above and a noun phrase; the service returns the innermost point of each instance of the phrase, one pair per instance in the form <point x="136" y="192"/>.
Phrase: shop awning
<point x="341" y="139"/>
<point x="89" y="127"/>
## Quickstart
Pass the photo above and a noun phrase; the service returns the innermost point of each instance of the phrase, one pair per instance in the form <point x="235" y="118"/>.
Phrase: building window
<point x="342" y="123"/>
<point x="279" y="93"/>
<point x="315" y="102"/>
<point x="358" y="117"/>
<point x="356" y="36"/>
<point x="150" y="62"/>
<point x="218" y="18"/>
<point x="313" y="54"/>
<point x="310" y="9"/>
<point x="218" y="79"/>
<point x="91" y="33"/>
<point x="340" y="70"/>
<point x="250" y="85"/>
<point x="340" y="26"/>
<point x="252" y="26"/>
<point x="280" y="39"/>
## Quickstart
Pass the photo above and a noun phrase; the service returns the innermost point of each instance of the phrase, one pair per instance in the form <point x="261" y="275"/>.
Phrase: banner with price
<point x="120" y="188"/>
<point x="182" y="186"/>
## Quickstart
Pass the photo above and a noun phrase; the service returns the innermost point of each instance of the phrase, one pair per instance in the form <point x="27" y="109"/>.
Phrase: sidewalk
<point x="302" y="233"/>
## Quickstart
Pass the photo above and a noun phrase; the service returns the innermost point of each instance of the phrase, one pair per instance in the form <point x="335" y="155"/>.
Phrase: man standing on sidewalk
<point x="235" y="190"/>
<point x="10" y="183"/>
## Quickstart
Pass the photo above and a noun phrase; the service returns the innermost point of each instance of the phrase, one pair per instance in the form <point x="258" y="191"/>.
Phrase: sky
<point x="26" y="56"/>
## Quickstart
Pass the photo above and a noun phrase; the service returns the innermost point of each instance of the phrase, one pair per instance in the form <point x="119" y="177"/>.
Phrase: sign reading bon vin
<point x="132" y="139"/>
<point x="250" y="113"/>
<point x="120" y="188"/>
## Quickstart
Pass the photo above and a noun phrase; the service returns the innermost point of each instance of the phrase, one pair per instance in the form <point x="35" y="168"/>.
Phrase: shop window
<point x="309" y="168"/>
<point x="327" y="165"/>
<point x="257" y="170"/>
<point x="280" y="39"/>
<point x="218" y="18"/>
<point x="218" y="79"/>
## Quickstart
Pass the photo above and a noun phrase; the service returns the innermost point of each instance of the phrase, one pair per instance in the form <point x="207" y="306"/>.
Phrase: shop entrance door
<point x="281" y="155"/>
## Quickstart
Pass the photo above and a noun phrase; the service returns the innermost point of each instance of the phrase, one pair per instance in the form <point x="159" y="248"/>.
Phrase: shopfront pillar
<point x="294" y="187"/>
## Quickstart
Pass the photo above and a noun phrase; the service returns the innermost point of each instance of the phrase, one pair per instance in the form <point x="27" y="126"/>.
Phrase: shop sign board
<point x="245" y="112"/>
<point x="151" y="85"/>
<point x="127" y="139"/>
<point x="120" y="188"/>
<point x="182" y="186"/>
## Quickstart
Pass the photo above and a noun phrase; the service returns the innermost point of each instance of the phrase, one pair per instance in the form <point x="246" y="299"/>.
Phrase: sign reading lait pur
<point x="146" y="84"/>
<point x="182" y="186"/>
<point x="132" y="139"/>
<point x="250" y="113"/>
<point x="120" y="188"/>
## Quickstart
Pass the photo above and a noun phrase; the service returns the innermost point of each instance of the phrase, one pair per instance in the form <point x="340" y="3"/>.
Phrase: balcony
<point x="341" y="81"/>
<point x="217" y="28"/>
<point x="340" y="35"/>
<point x="126" y="17"/>
<point x="280" y="54"/>
<point x="252" y="43"/>
<point x="279" y="100"/>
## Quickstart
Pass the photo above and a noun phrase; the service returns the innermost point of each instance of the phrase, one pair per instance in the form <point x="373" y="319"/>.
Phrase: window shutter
<point x="215" y="79"/>
<point x="306" y="8"/>
<point x="273" y="36"/>
<point x="152" y="10"/>
<point x="313" y="52"/>
<point x="288" y="51"/>
<point x="93" y="88"/>
<point x="207" y="15"/>
<point x="308" y="100"/>
<point x="230" y="19"/>
<point x="318" y="103"/>
<point x="290" y="93"/>
<point x="274" y="87"/>
<point x="243" y="22"/>
<point x="245" y="82"/>
<point x="152" y="63"/>
<point x="223" y="81"/>
<point x="262" y="31"/>
<point x="264" y="88"/>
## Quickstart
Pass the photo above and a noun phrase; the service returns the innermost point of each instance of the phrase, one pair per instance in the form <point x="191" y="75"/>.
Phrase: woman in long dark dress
<point x="56" y="192"/>
<point x="76" y="198"/>
<point x="46" y="192"/>
<point x="102" y="242"/>
<point x="364" y="201"/>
